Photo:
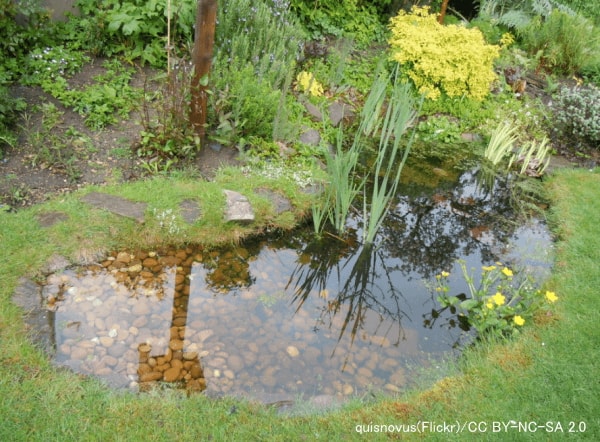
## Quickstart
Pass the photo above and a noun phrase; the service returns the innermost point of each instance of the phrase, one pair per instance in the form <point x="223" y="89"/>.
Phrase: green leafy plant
<point x="109" y="94"/>
<point x="439" y="129"/>
<point x="498" y="306"/>
<point x="24" y="25"/>
<point x="562" y="43"/>
<point x="9" y="109"/>
<point x="137" y="29"/>
<point x="50" y="63"/>
<point x="357" y="19"/>
<point x="452" y="59"/>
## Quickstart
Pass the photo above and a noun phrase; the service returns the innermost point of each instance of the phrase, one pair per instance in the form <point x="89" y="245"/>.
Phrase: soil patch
<point x="97" y="157"/>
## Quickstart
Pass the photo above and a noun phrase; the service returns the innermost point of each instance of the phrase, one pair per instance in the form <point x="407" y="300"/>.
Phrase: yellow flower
<point x="498" y="299"/>
<point x="518" y="320"/>
<point x="508" y="272"/>
<point x="551" y="297"/>
<point x="489" y="305"/>
<point x="488" y="268"/>
<point x="445" y="274"/>
<point x="307" y="82"/>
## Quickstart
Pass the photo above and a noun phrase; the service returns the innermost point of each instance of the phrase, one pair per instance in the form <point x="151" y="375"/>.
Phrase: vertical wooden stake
<point x="206" y="18"/>
<point x="443" y="12"/>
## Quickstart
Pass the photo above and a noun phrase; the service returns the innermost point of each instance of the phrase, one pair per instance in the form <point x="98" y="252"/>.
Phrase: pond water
<point x="288" y="316"/>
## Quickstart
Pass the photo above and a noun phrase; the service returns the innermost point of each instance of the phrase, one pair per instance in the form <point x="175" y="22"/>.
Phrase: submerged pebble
<point x="162" y="317"/>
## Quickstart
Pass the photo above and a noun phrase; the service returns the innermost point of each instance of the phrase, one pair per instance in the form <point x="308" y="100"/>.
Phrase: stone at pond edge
<point x="238" y="207"/>
<point x="279" y="202"/>
<point x="117" y="205"/>
<point x="28" y="297"/>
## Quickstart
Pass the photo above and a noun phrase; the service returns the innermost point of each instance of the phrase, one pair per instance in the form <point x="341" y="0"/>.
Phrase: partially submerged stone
<point x="117" y="205"/>
<point x="238" y="208"/>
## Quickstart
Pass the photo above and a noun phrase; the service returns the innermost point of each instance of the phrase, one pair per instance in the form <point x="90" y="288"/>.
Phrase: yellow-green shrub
<point x="450" y="59"/>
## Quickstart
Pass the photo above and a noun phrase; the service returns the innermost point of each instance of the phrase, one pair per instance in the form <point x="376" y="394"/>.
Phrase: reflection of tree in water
<point x="363" y="284"/>
<point x="429" y="232"/>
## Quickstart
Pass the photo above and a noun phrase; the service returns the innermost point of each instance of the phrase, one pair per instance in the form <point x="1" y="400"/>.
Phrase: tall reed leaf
<point x="343" y="187"/>
<point x="399" y="115"/>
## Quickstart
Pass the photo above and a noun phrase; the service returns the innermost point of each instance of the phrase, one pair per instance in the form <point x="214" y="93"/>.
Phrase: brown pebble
<point x="152" y="376"/>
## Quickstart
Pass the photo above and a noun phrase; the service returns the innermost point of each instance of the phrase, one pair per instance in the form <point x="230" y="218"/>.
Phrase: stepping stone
<point x="190" y="211"/>
<point x="48" y="219"/>
<point x="117" y="205"/>
<point x="238" y="207"/>
<point x="279" y="202"/>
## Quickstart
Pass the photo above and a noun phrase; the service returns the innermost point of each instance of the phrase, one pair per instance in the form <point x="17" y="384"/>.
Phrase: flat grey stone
<point x="117" y="205"/>
<point x="48" y="219"/>
<point x="310" y="137"/>
<point x="336" y="113"/>
<point x="37" y="318"/>
<point x="312" y="110"/>
<point x="238" y="208"/>
<point x="190" y="211"/>
<point x="279" y="202"/>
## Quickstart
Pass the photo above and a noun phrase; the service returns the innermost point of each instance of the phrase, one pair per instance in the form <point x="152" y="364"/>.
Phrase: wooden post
<point x="443" y="12"/>
<point x="204" y="37"/>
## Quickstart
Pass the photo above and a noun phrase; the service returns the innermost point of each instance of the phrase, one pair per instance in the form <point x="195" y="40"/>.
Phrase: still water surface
<point x="287" y="315"/>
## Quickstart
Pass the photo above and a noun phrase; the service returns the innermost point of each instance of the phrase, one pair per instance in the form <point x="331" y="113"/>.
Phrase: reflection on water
<point x="287" y="315"/>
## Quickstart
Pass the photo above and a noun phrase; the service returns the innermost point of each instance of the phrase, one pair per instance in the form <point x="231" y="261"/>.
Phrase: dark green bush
<point x="357" y="19"/>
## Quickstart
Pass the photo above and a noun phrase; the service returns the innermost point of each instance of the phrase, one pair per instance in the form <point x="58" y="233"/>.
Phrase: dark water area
<point x="288" y="315"/>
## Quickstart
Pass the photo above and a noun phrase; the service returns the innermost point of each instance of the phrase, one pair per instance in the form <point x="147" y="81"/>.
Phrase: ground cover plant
<point x="255" y="87"/>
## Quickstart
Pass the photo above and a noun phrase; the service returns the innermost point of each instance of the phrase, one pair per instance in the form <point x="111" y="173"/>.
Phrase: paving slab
<point x="190" y="210"/>
<point x="117" y="205"/>
<point x="48" y="219"/>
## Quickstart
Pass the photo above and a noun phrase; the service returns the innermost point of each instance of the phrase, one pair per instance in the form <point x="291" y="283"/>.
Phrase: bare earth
<point x="98" y="157"/>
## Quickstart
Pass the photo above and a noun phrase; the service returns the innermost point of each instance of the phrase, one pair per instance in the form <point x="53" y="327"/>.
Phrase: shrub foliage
<point x="442" y="59"/>
<point x="577" y="111"/>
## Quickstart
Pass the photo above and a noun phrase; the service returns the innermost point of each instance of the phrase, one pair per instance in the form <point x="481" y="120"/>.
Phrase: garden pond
<point x="285" y="315"/>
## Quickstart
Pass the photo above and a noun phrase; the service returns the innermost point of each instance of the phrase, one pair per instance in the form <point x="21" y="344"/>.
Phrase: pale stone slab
<point x="238" y="208"/>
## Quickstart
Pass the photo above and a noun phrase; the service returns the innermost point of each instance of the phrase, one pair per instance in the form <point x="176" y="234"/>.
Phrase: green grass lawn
<point x="547" y="376"/>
